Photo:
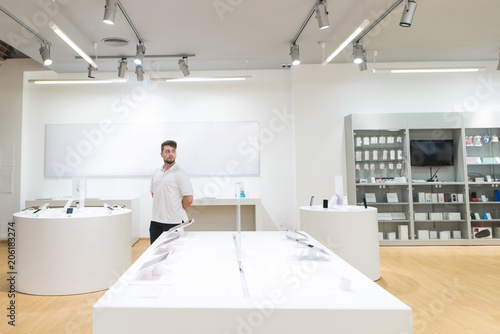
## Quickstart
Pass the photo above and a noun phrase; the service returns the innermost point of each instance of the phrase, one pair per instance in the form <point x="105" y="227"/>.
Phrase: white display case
<point x="460" y="196"/>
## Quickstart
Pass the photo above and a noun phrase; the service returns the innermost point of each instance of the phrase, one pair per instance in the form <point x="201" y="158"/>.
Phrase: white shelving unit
<point x="431" y="213"/>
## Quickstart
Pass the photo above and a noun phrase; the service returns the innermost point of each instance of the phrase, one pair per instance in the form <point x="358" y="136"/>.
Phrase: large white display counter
<point x="60" y="254"/>
<point x="194" y="285"/>
<point x="351" y="232"/>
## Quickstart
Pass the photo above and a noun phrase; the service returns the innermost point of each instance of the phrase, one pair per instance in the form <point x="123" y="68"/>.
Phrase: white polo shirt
<point x="168" y="188"/>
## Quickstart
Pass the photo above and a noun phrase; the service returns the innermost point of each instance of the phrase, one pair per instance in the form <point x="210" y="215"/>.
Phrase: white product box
<point x="403" y="232"/>
<point x="433" y="234"/>
<point x="497" y="231"/>
<point x="421" y="197"/>
<point x="392" y="198"/>
<point x="457" y="234"/>
<point x="481" y="232"/>
<point x="441" y="197"/>
<point x="391" y="236"/>
<point x="444" y="235"/>
<point x="384" y="216"/>
<point x="380" y="236"/>
<point x="454" y="216"/>
<point x="434" y="198"/>
<point x="423" y="234"/>
<point x="398" y="215"/>
<point x="428" y="197"/>
<point x="460" y="198"/>
<point x="435" y="215"/>
<point x="359" y="156"/>
<point x="421" y="216"/>
<point x="370" y="198"/>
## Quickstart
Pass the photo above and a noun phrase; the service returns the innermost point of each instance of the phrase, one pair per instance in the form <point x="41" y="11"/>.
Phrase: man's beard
<point x="169" y="161"/>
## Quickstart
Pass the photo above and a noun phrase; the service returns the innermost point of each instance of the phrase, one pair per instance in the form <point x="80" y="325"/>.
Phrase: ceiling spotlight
<point x="139" y="55"/>
<point x="359" y="56"/>
<point x="358" y="53"/>
<point x="294" y="52"/>
<point x="362" y="66"/>
<point x="183" y="66"/>
<point x="45" y="53"/>
<point x="122" y="68"/>
<point x="92" y="70"/>
<point x="139" y="72"/>
<point x="322" y="15"/>
<point x="408" y="13"/>
<point x="110" y="11"/>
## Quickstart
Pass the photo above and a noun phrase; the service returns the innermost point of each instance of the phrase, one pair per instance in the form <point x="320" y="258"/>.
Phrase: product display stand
<point x="351" y="232"/>
<point x="193" y="284"/>
<point x="63" y="254"/>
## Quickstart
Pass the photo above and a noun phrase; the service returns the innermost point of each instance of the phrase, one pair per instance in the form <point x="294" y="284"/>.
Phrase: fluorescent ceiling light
<point x="68" y="41"/>
<point x="200" y="79"/>
<point x="429" y="70"/>
<point x="73" y="82"/>
<point x="346" y="42"/>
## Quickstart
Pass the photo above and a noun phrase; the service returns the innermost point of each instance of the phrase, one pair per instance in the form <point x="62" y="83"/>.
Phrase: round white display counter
<point x="351" y="232"/>
<point x="63" y="254"/>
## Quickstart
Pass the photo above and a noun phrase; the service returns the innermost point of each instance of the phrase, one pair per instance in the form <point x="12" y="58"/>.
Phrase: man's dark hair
<point x="168" y="143"/>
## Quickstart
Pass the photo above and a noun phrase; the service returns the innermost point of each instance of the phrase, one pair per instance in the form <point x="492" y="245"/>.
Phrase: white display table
<point x="60" y="254"/>
<point x="351" y="232"/>
<point x="283" y="288"/>
<point x="130" y="203"/>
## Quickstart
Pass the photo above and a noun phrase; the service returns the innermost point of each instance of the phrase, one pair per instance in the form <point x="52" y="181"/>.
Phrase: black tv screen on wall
<point x="432" y="152"/>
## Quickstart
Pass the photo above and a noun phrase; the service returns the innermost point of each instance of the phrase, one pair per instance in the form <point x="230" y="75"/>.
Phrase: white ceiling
<point x="253" y="34"/>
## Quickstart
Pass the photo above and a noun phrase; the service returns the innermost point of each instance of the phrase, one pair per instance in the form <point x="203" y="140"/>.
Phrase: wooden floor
<point x="450" y="289"/>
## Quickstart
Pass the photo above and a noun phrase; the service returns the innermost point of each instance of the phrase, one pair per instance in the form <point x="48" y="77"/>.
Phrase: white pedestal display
<point x="194" y="284"/>
<point x="351" y="232"/>
<point x="61" y="254"/>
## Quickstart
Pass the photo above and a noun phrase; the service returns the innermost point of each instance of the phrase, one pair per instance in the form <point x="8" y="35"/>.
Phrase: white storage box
<point x="457" y="234"/>
<point x="420" y="215"/>
<point x="433" y="234"/>
<point x="423" y="234"/>
<point x="444" y="235"/>
<point x="403" y="232"/>
<point x="391" y="236"/>
<point x="435" y="215"/>
<point x="454" y="216"/>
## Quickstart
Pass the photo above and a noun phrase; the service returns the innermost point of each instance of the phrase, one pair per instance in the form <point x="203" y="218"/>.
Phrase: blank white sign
<point x="133" y="149"/>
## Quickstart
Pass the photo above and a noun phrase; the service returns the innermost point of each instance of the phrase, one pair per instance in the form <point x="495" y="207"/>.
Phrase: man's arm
<point x="187" y="201"/>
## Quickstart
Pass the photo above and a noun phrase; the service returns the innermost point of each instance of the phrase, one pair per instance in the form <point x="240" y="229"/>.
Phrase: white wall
<point x="265" y="98"/>
<point x="324" y="95"/>
<point x="11" y="95"/>
<point x="301" y="150"/>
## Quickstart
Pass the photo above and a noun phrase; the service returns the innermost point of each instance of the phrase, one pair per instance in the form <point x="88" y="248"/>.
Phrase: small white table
<point x="60" y="254"/>
<point x="351" y="232"/>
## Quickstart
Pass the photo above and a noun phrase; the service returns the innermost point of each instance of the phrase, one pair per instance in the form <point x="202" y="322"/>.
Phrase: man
<point x="172" y="193"/>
